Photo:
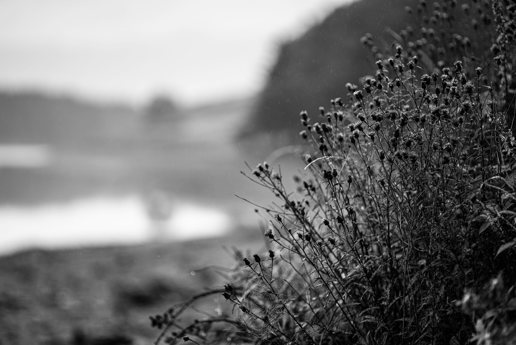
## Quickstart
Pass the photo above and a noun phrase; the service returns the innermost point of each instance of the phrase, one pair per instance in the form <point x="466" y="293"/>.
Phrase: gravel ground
<point x="105" y="295"/>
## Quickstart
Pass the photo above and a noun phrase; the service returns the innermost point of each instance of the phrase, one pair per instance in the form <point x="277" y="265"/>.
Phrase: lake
<point x="173" y="181"/>
<point x="54" y="198"/>
<point x="24" y="156"/>
<point x="106" y="221"/>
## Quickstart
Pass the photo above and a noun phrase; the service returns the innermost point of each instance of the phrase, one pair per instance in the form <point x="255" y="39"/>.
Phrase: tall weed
<point x="406" y="210"/>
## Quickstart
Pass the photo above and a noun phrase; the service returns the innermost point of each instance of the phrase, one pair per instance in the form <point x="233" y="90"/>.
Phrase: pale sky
<point x="128" y="50"/>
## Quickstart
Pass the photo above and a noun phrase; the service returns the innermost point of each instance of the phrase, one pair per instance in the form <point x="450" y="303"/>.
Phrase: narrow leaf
<point x="506" y="246"/>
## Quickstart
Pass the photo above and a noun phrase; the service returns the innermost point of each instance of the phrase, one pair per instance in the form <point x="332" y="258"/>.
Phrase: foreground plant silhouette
<point x="406" y="211"/>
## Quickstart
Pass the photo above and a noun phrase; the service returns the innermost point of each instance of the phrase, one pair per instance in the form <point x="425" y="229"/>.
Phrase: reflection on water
<point x="24" y="155"/>
<point x="104" y="221"/>
<point x="151" y="182"/>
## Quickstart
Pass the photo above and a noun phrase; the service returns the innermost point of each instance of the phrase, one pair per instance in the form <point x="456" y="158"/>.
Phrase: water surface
<point x="106" y="221"/>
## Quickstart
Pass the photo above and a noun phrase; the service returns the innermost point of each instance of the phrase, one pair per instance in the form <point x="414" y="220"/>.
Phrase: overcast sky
<point x="193" y="50"/>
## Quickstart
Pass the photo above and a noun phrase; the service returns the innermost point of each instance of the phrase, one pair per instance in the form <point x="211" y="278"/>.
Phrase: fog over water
<point x="165" y="185"/>
<point x="93" y="178"/>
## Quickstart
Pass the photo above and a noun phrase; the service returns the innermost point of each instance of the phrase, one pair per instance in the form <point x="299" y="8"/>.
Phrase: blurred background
<point x="127" y="122"/>
<point x="119" y="119"/>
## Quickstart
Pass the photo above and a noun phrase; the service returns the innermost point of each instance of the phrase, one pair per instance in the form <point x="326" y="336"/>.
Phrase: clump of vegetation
<point x="403" y="229"/>
<point x="330" y="53"/>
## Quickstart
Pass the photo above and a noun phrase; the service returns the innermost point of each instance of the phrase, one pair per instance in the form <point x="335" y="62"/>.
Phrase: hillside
<point x="37" y="118"/>
<point x="89" y="148"/>
<point x="67" y="121"/>
<point x="314" y="68"/>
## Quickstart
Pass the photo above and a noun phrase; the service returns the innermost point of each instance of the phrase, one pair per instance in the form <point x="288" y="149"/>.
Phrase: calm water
<point x="24" y="156"/>
<point x="104" y="221"/>
<point x="52" y="199"/>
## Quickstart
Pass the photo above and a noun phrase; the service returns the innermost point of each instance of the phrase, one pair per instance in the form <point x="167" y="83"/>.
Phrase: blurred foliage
<point x="38" y="118"/>
<point x="316" y="66"/>
<point x="161" y="108"/>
